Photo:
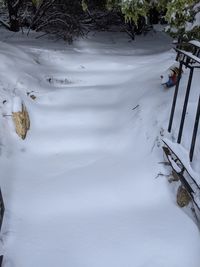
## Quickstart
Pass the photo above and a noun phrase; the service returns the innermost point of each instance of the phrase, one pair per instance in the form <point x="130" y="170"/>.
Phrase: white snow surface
<point x="81" y="190"/>
<point x="17" y="104"/>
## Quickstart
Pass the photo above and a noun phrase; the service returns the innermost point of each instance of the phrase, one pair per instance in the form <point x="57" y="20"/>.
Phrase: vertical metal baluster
<point x="179" y="46"/>
<point x="175" y="97"/>
<point x="1" y="260"/>
<point x="185" y="106"/>
<point x="194" y="136"/>
<point x="2" y="209"/>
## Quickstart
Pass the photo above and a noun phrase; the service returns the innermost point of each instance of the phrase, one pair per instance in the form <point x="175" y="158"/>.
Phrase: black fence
<point x="188" y="56"/>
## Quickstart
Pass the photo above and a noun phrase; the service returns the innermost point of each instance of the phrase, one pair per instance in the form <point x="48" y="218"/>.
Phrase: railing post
<point x="185" y="106"/>
<point x="194" y="136"/>
<point x="175" y="97"/>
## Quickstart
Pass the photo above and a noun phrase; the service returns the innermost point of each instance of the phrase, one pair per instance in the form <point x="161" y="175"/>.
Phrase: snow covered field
<point x="83" y="189"/>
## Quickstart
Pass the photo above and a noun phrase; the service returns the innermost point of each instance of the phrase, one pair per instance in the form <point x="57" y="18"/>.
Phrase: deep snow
<point x="83" y="189"/>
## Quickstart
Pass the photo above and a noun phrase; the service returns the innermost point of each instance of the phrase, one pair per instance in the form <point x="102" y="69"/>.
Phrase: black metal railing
<point x="190" y="59"/>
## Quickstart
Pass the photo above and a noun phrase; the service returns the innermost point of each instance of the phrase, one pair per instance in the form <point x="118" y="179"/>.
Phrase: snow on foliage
<point x="182" y="15"/>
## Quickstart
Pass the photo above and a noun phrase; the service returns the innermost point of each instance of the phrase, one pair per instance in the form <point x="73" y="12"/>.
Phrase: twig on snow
<point x="135" y="107"/>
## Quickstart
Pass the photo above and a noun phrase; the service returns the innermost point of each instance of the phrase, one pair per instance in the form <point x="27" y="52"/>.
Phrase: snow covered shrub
<point x="183" y="17"/>
<point x="72" y="17"/>
<point x="132" y="10"/>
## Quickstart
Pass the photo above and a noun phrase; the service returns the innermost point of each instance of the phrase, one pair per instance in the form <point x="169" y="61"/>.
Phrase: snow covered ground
<point x="83" y="189"/>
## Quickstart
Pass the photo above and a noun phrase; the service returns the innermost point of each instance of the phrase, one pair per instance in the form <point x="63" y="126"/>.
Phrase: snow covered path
<point x="80" y="191"/>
